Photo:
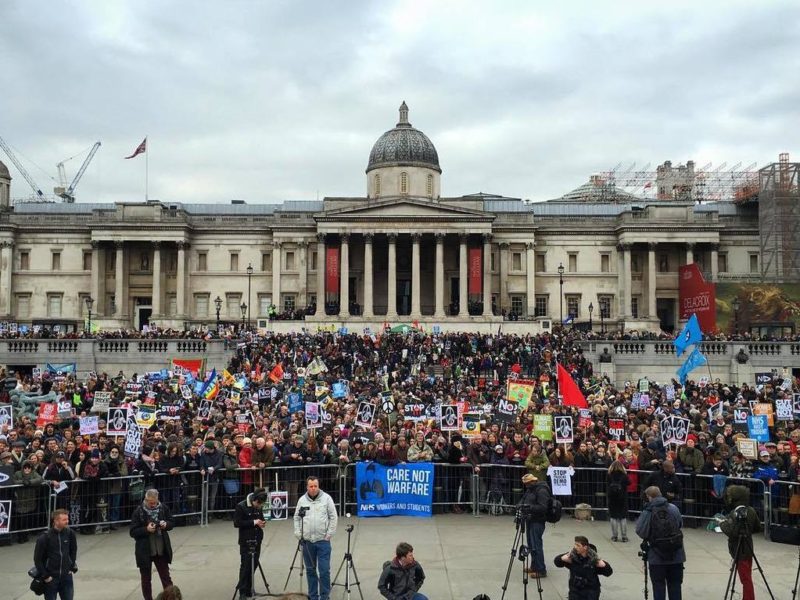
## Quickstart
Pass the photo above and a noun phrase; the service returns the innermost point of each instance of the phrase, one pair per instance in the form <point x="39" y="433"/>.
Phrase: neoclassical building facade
<point x="401" y="253"/>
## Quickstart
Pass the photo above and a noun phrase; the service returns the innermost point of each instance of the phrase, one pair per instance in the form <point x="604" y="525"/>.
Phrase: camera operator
<point x="534" y="503"/>
<point x="584" y="569"/>
<point x="317" y="513"/>
<point x="659" y="526"/>
<point x="248" y="518"/>
<point x="150" y="524"/>
<point x="739" y="525"/>
<point x="402" y="577"/>
<point x="54" y="556"/>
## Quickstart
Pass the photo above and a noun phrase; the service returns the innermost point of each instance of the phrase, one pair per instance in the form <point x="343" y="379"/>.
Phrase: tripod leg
<point x="294" y="560"/>
<point x="763" y="577"/>
<point x="263" y="577"/>
<point x="514" y="547"/>
<point x="355" y="577"/>
<point x="796" y="576"/>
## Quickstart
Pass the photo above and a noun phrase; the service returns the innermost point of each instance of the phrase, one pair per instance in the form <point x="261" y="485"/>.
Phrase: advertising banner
<point x="475" y="274"/>
<point x="331" y="270"/>
<point x="405" y="489"/>
<point x="697" y="296"/>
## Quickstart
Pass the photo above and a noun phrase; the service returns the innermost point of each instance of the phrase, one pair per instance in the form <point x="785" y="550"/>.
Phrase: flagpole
<point x="146" y="170"/>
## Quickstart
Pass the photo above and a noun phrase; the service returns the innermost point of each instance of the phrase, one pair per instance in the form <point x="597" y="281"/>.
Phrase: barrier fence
<point x="100" y="504"/>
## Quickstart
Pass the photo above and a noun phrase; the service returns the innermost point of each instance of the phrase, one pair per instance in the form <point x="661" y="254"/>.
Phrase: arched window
<point x="377" y="185"/>
<point x="429" y="186"/>
<point x="404" y="183"/>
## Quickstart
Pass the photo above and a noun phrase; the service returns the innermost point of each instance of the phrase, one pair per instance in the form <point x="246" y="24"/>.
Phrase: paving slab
<point x="462" y="556"/>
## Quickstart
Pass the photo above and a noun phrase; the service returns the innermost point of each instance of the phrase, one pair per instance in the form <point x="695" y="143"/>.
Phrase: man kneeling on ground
<point x="403" y="576"/>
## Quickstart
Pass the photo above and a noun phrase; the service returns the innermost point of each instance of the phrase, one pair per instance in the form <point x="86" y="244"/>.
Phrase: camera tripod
<point x="347" y="564"/>
<point x="301" y="512"/>
<point x="644" y="549"/>
<point x="252" y="546"/>
<point x="729" y="588"/>
<point x="796" y="576"/>
<point x="522" y="553"/>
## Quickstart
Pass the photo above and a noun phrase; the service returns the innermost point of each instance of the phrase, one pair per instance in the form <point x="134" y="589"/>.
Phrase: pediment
<point x="404" y="208"/>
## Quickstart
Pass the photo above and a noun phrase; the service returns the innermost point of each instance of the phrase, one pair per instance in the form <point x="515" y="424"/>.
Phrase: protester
<point x="249" y="520"/>
<point x="535" y="500"/>
<point x="150" y="526"/>
<point x="55" y="557"/>
<point x="585" y="567"/>
<point x="403" y="576"/>
<point x="660" y="526"/>
<point x="314" y="529"/>
<point x="618" y="501"/>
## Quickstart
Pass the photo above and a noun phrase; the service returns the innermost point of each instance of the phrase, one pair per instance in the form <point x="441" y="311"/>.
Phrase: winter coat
<point x="691" y="459"/>
<point x="245" y="462"/>
<point x="537" y="497"/>
<point x="211" y="460"/>
<point x="265" y="455"/>
<point x="116" y="468"/>
<point x="28" y="495"/>
<point x="643" y="531"/>
<point x="618" y="502"/>
<point x="138" y="531"/>
<point x="244" y="518"/>
<point x="584" y="580"/>
<point x="398" y="582"/>
<point x="231" y="465"/>
<point x="670" y="485"/>
<point x="319" y="521"/>
<point x="55" y="553"/>
<point x="417" y="454"/>
<point x="537" y="465"/>
<point x="741" y="521"/>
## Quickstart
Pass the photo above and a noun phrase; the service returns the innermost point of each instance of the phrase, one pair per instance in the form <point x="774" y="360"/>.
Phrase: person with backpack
<point x="617" y="479"/>
<point x="538" y="507"/>
<point x="659" y="526"/>
<point x="585" y="568"/>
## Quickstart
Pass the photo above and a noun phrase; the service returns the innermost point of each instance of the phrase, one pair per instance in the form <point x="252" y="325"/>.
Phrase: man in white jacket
<point x="316" y="512"/>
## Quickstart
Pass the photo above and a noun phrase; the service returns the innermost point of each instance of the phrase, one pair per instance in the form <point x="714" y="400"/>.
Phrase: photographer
<point x="739" y="525"/>
<point x="585" y="567"/>
<point x="150" y="524"/>
<point x="54" y="557"/>
<point x="315" y="522"/>
<point x="659" y="526"/>
<point x="534" y="503"/>
<point x="402" y="577"/>
<point x="248" y="518"/>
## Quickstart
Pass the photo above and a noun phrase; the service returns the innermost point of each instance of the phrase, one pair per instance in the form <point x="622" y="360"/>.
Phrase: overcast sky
<point x="268" y="101"/>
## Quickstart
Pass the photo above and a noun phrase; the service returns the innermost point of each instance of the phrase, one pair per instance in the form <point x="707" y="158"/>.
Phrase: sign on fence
<point x="405" y="489"/>
<point x="279" y="505"/>
<point x="5" y="516"/>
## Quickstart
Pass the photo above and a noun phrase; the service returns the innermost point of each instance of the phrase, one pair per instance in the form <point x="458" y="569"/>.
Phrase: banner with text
<point x="331" y="271"/>
<point x="697" y="296"/>
<point x="405" y="489"/>
<point x="475" y="277"/>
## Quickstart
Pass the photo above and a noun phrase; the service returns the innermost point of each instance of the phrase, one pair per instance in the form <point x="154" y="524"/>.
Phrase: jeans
<point x="419" y="596"/>
<point x="114" y="503"/>
<point x="59" y="586"/>
<point x="536" y="545"/>
<point x="162" y="566"/>
<point x="666" y="578"/>
<point x="317" y="557"/>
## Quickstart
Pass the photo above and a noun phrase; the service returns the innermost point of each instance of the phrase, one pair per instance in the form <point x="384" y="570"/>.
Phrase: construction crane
<point x="68" y="193"/>
<point x="38" y="191"/>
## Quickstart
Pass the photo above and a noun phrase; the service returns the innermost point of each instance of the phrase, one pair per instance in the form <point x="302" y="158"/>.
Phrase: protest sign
<point x="543" y="426"/>
<point x="765" y="408"/>
<point x="784" y="410"/>
<point x="47" y="414"/>
<point x="278" y="506"/>
<point x="471" y="425"/>
<point x="762" y="379"/>
<point x="204" y="411"/>
<point x="145" y="417"/>
<point x="796" y="404"/>
<point x="585" y="418"/>
<point x="6" y="416"/>
<point x="616" y="429"/>
<point x="506" y="411"/>
<point x="325" y="415"/>
<point x="64" y="409"/>
<point x="295" y="402"/>
<point x="561" y="479"/>
<point x="6" y="475"/>
<point x="243" y="422"/>
<point x="5" y="516"/>
<point x="133" y="437"/>
<point x="101" y="402"/>
<point x="520" y="391"/>
<point x="387" y="402"/>
<point x="414" y="411"/>
<point x="313" y="419"/>
<point x="186" y="392"/>
<point x="366" y="412"/>
<point x="117" y="421"/>
<point x="405" y="489"/>
<point x="448" y="417"/>
<point x="748" y="448"/>
<point x="563" y="428"/>
<point x="340" y="389"/>
<point x="88" y="425"/>
<point x="740" y="418"/>
<point x="758" y="427"/>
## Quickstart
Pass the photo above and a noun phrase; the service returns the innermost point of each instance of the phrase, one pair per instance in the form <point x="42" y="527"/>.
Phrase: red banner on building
<point x="475" y="270"/>
<point x="697" y="296"/>
<point x="332" y="270"/>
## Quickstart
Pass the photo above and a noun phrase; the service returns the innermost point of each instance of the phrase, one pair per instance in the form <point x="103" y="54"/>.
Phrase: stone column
<point x="714" y="262"/>
<point x="651" y="279"/>
<point x="502" y="302"/>
<point x="530" y="287"/>
<point x="626" y="273"/>
<point x="119" y="282"/>
<point x="97" y="277"/>
<point x="391" y="287"/>
<point x="487" y="275"/>
<point x="368" y="287"/>
<point x="415" y="278"/>
<point x="463" y="277"/>
<point x="302" y="292"/>
<point x="439" y="311"/>
<point x="689" y="253"/>
<point x="156" y="279"/>
<point x="321" y="266"/>
<point x="6" y="267"/>
<point x="344" y="273"/>
<point x="276" y="274"/>
<point x="180" y="296"/>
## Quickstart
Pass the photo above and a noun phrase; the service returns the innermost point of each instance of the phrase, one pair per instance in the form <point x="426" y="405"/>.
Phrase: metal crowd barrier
<point x="30" y="509"/>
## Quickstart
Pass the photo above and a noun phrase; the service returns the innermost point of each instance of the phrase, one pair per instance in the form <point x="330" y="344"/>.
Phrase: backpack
<point x="666" y="538"/>
<point x="553" y="514"/>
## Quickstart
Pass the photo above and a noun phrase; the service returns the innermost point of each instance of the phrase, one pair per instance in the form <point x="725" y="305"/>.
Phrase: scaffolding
<point x="779" y="221"/>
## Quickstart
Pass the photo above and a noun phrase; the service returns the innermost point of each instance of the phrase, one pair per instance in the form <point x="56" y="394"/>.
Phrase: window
<point x="722" y="262"/>
<point x="111" y="302"/>
<point x="232" y="304"/>
<point x="290" y="266"/>
<point x="172" y="304"/>
<point x="429" y="186"/>
<point x="377" y="185"/>
<point x="87" y="261"/>
<point x="266" y="262"/>
<point x="264" y="302"/>
<point x="493" y="262"/>
<point x="754" y="263"/>
<point x="605" y="263"/>
<point x="635" y="307"/>
<point x="540" y="263"/>
<point x="663" y="262"/>
<point x="234" y="261"/>
<point x="516" y="261"/>
<point x="573" y="262"/>
<point x="23" y="306"/>
<point x="573" y="305"/>
<point x="54" y="302"/>
<point x="604" y="302"/>
<point x="24" y="260"/>
<point x="201" y="305"/>
<point x="288" y="302"/>
<point x="636" y="267"/>
<point x="516" y="304"/>
<point x="202" y="261"/>
<point x="55" y="262"/>
<point x="313" y="265"/>
<point x="404" y="183"/>
<point x="541" y="306"/>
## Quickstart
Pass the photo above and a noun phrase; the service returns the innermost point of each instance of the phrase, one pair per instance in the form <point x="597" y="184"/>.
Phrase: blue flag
<point x="695" y="359"/>
<point x="690" y="334"/>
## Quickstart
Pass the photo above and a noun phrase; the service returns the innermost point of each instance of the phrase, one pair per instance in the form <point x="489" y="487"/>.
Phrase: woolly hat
<point x="210" y="444"/>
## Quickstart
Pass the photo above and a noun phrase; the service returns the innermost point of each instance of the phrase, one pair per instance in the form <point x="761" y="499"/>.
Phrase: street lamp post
<point x="89" y="304"/>
<point x="218" y="305"/>
<point x="591" y="308"/>
<point x="244" y="313"/>
<point x="249" y="299"/>
<point x="602" y="323"/>
<point x="561" y="295"/>
<point x="736" y="307"/>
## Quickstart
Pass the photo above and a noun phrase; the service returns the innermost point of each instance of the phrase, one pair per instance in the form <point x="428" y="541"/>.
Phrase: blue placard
<point x="339" y="389"/>
<point x="405" y="489"/>
<point x="342" y="330"/>
<point x="295" y="402"/>
<point x="758" y="426"/>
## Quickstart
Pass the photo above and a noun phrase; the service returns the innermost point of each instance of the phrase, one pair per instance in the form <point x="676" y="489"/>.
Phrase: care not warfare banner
<point x="405" y="489"/>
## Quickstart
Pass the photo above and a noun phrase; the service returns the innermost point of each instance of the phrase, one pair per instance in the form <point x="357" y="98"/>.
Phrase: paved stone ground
<point x="462" y="556"/>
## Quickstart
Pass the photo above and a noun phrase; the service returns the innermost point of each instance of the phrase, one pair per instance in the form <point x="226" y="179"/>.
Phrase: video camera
<point x="523" y="513"/>
<point x="644" y="550"/>
<point x="301" y="512"/>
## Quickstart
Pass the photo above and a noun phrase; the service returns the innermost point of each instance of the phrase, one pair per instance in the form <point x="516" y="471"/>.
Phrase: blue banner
<point x="405" y="489"/>
<point x="295" y="402"/>
<point x="340" y="389"/>
<point x="63" y="368"/>
<point x="689" y="335"/>
<point x="758" y="426"/>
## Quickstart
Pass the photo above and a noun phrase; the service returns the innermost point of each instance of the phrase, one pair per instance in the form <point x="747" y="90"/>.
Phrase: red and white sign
<point x="332" y="270"/>
<point x="475" y="277"/>
<point x="697" y="296"/>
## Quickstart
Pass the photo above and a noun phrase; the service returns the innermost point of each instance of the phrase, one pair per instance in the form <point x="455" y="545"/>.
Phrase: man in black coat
<point x="248" y="518"/>
<point x="585" y="567"/>
<point x="150" y="526"/>
<point x="402" y="577"/>
<point x="535" y="501"/>
<point x="54" y="556"/>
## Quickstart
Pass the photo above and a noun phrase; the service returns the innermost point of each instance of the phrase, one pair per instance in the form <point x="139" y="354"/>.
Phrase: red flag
<point x="570" y="394"/>
<point x="276" y="374"/>
<point x="140" y="149"/>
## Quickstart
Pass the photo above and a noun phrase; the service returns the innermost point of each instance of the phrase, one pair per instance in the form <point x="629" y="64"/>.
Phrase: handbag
<point x="136" y="490"/>
<point x="794" y="504"/>
<point x="37" y="583"/>
<point x="231" y="486"/>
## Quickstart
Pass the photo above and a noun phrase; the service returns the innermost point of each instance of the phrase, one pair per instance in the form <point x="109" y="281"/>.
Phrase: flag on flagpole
<point x="208" y="382"/>
<point x="140" y="149"/>
<point x="690" y="334"/>
<point x="570" y="393"/>
<point x="695" y="359"/>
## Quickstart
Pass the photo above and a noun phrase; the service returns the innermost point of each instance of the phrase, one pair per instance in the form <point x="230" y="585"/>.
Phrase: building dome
<point x="403" y="146"/>
<point x="4" y="171"/>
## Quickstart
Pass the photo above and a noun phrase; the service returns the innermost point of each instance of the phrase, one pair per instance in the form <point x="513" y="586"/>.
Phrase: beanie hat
<point x="210" y="444"/>
<point x="95" y="453"/>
